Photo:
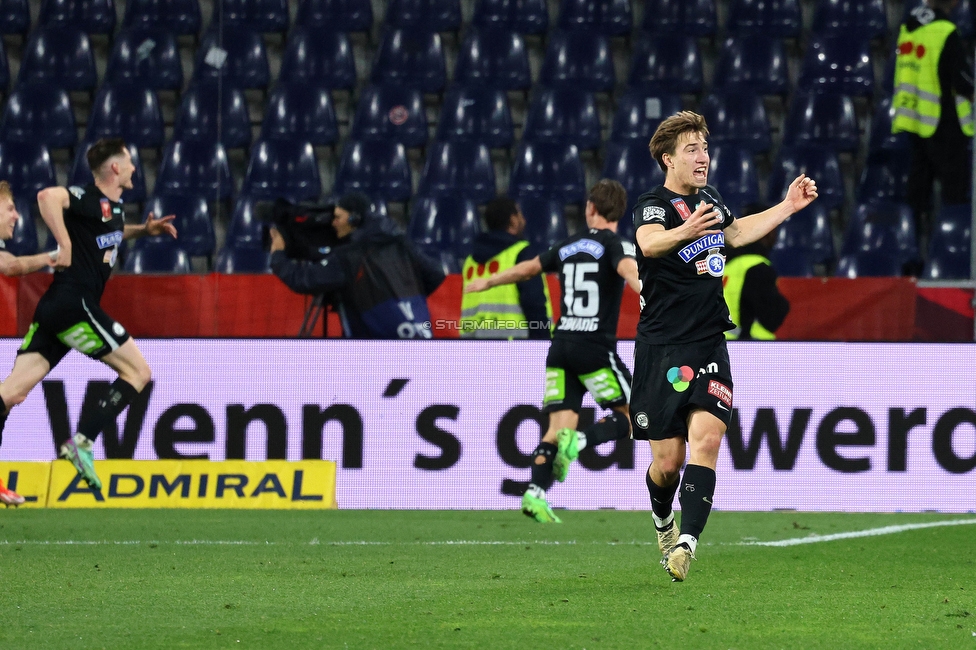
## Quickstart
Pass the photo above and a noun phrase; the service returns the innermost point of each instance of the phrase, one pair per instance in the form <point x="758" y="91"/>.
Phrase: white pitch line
<point x="810" y="539"/>
<point x="870" y="532"/>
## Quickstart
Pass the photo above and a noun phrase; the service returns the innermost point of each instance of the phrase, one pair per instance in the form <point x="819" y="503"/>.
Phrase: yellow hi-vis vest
<point x="495" y="313"/>
<point x="917" y="99"/>
<point x="733" y="280"/>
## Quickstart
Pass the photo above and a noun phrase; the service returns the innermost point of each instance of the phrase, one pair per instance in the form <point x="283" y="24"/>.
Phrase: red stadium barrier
<point x="218" y="305"/>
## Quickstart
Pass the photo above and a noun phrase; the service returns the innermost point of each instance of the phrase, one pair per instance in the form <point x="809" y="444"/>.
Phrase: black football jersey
<point x="591" y="287"/>
<point x="681" y="292"/>
<point x="95" y="225"/>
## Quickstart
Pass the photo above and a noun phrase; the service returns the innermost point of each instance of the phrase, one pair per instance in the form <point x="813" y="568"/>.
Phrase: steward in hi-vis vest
<point x="932" y="105"/>
<point x="516" y="311"/>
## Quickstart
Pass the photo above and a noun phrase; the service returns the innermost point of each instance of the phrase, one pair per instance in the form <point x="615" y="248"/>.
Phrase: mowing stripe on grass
<point x="871" y="532"/>
<point x="811" y="539"/>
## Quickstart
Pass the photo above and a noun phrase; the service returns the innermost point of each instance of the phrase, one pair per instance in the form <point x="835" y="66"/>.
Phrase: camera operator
<point x="380" y="281"/>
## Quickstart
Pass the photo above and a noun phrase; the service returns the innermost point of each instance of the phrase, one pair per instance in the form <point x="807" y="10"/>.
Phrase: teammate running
<point x="592" y="267"/>
<point x="88" y="224"/>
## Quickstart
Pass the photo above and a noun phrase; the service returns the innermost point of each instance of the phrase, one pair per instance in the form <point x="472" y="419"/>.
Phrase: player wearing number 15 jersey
<point x="88" y="225"/>
<point x="592" y="267"/>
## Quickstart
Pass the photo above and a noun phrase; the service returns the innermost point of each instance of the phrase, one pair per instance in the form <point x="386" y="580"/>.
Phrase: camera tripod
<point x="313" y="311"/>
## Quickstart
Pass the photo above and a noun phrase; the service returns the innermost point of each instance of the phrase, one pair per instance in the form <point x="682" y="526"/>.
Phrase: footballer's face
<point x="8" y="217"/>
<point x="124" y="169"/>
<point x="688" y="165"/>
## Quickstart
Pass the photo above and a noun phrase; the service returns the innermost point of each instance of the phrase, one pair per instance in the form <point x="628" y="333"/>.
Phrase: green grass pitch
<point x="478" y="579"/>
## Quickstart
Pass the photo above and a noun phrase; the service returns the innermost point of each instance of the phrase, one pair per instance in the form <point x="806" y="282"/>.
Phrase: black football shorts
<point x="573" y="368"/>
<point x="672" y="380"/>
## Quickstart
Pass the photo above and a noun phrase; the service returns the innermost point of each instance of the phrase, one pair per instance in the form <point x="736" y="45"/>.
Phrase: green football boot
<point x="79" y="451"/>
<point x="567" y="450"/>
<point x="539" y="510"/>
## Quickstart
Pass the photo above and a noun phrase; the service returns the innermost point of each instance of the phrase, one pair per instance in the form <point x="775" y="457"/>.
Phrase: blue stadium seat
<point x="881" y="137"/>
<point x="157" y="255"/>
<point x="578" y="59"/>
<point x="298" y="111"/>
<point x="375" y="168"/>
<point x="146" y="55"/>
<point x="666" y="63"/>
<point x="823" y="120"/>
<point x="563" y="115"/>
<point x="24" y="239"/>
<point x="39" y="112"/>
<point x="629" y="163"/>
<point x="822" y="165"/>
<point x="181" y="17"/>
<point x="807" y="234"/>
<point x="91" y="16"/>
<point x="857" y="19"/>
<point x="410" y="57"/>
<point x="436" y="15"/>
<point x="949" y="246"/>
<point x="245" y="229"/>
<point x="837" y="64"/>
<point x="868" y="264"/>
<point x="61" y="56"/>
<point x="791" y="263"/>
<point x="461" y="169"/>
<point x="322" y="58"/>
<point x="639" y="112"/>
<point x="548" y="169"/>
<point x="545" y="220"/>
<point x="81" y="173"/>
<point x="263" y="16"/>
<point x="448" y="261"/>
<point x="883" y="226"/>
<point x="127" y="110"/>
<point x="192" y="222"/>
<point x="884" y="176"/>
<point x="448" y="223"/>
<point x="214" y="110"/>
<point x="246" y="63"/>
<point x="4" y="69"/>
<point x="493" y="56"/>
<point x="732" y="172"/>
<point x="15" y="17"/>
<point x="195" y="167"/>
<point x="27" y="167"/>
<point x="962" y="15"/>
<point x="233" y="259"/>
<point x="338" y="15"/>
<point x="738" y="119"/>
<point x="756" y="64"/>
<point x="282" y="169"/>
<point x="607" y="17"/>
<point x="689" y="18"/>
<point x="391" y="112"/>
<point x="781" y="18"/>
<point x="476" y="113"/>
<point x="530" y="17"/>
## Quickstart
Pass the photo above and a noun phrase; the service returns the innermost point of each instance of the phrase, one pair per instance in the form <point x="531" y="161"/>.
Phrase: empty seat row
<point x="492" y="56"/>
<point x="861" y="18"/>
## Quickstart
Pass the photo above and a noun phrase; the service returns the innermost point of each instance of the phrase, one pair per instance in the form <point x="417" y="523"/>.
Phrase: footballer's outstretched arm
<point x="518" y="273"/>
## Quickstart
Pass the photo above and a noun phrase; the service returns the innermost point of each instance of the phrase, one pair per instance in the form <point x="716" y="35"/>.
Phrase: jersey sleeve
<point x="620" y="249"/>
<point x="650" y="211"/>
<point x="75" y="201"/>
<point x="550" y="260"/>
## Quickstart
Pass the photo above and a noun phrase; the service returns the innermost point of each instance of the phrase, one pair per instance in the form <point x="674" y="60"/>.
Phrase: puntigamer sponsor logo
<point x="697" y="247"/>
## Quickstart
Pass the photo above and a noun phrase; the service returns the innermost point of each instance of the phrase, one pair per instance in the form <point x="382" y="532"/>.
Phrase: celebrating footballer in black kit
<point x="682" y="396"/>
<point x="88" y="225"/>
<point x="592" y="267"/>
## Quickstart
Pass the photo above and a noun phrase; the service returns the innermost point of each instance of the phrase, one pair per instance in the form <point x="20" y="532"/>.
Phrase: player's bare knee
<point x="668" y="469"/>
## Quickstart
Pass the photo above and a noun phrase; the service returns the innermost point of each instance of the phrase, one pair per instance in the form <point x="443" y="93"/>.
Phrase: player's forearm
<point x="518" y="273"/>
<point x="134" y="231"/>
<point x="747" y="230"/>
<point x="27" y="264"/>
<point x="658" y="242"/>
